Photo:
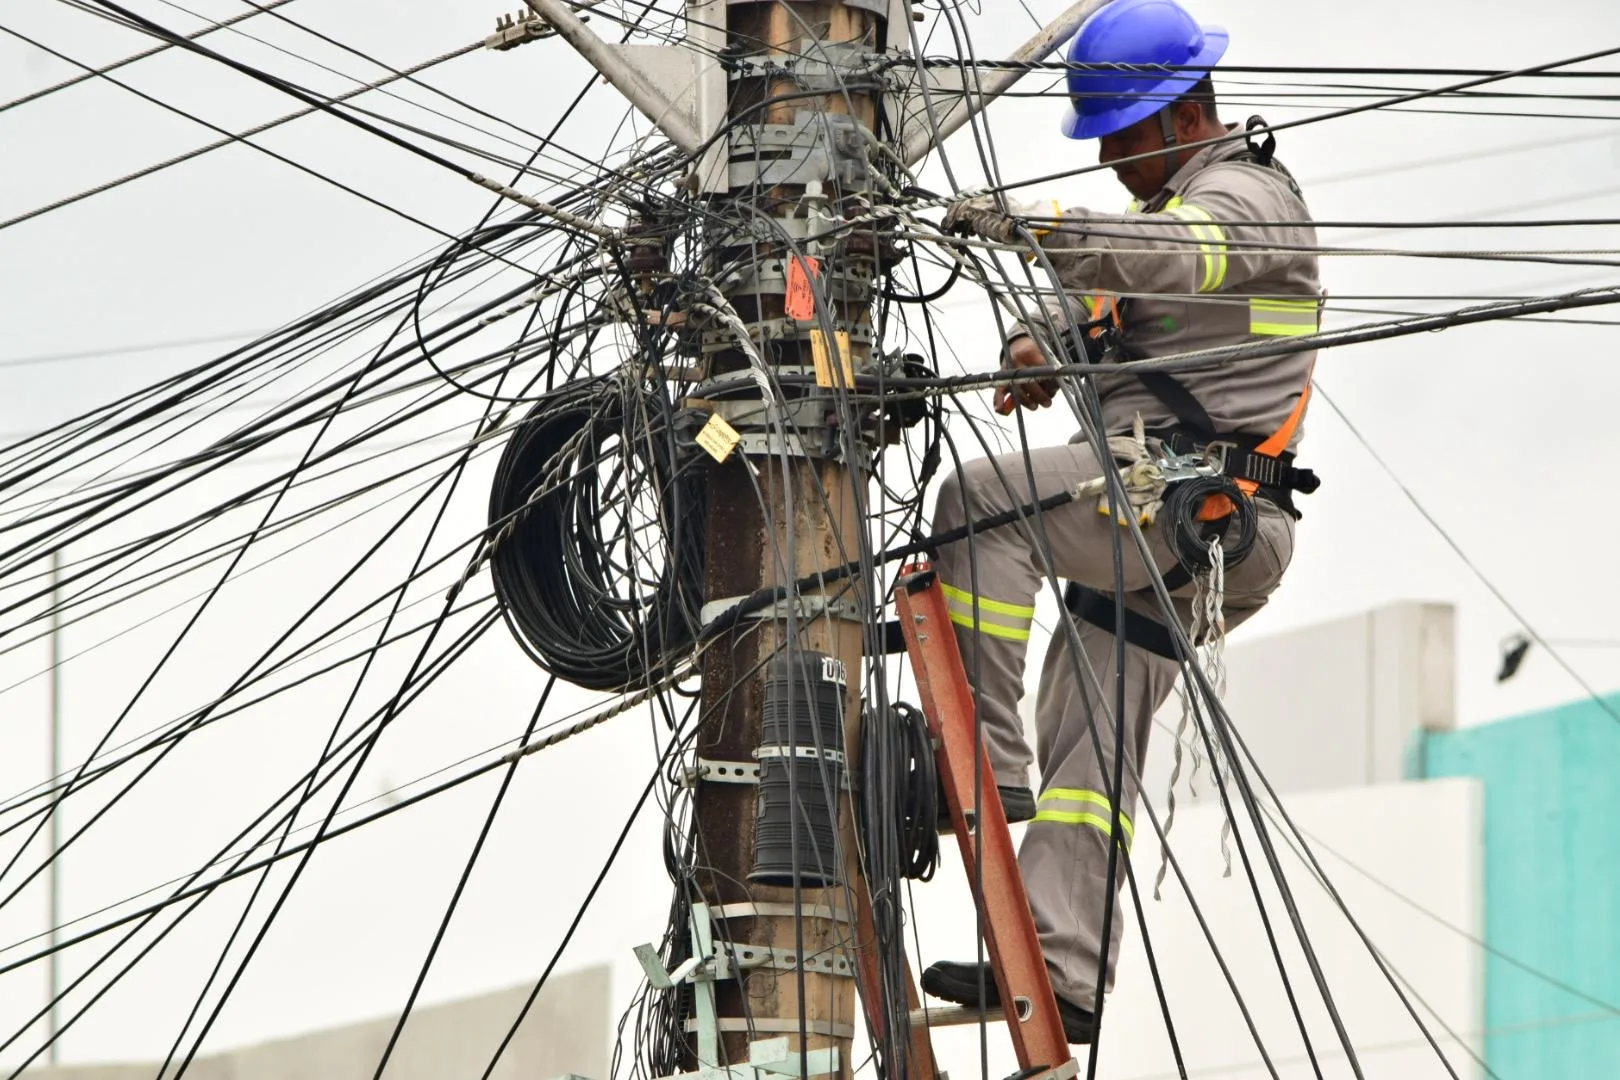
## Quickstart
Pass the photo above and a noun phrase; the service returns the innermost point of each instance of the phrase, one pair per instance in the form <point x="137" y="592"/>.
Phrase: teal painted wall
<point x="1552" y="885"/>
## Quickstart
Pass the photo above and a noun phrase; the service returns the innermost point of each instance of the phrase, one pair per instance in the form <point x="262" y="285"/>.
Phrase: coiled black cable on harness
<point x="597" y="519"/>
<point x="1190" y="538"/>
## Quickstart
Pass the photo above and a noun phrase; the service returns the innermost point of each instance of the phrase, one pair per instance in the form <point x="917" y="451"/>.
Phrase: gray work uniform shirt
<point x="1222" y="256"/>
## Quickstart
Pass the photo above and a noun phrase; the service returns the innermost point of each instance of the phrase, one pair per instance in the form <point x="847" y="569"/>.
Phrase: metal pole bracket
<point x="812" y="606"/>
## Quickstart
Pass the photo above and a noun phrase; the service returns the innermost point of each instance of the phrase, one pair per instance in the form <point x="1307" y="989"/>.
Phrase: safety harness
<point x="1256" y="466"/>
<point x="1260" y="465"/>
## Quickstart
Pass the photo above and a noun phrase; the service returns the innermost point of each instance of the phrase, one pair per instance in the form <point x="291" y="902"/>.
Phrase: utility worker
<point x="1215" y="251"/>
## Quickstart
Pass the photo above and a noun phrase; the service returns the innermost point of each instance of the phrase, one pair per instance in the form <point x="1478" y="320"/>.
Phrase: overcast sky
<point x="1502" y="433"/>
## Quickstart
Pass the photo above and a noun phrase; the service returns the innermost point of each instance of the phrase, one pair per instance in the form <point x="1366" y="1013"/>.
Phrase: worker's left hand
<point x="981" y="216"/>
<point x="1022" y="352"/>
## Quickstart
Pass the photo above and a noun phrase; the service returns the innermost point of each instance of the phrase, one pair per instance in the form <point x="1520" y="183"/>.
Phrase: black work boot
<point x="959" y="983"/>
<point x="1018" y="802"/>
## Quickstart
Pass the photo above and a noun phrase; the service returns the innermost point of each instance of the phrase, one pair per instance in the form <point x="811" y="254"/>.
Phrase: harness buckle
<point x="1216" y="450"/>
<point x="1174" y="467"/>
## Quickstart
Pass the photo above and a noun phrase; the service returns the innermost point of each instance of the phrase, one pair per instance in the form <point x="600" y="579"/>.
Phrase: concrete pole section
<point x="647" y="98"/>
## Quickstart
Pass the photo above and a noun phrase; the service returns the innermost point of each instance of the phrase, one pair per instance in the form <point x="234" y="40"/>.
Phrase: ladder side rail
<point x="1009" y="928"/>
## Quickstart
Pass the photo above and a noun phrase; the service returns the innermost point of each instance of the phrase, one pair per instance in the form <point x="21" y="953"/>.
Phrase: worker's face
<point x="1144" y="178"/>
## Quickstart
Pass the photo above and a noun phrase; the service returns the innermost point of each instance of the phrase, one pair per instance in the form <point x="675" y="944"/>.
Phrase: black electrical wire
<point x="168" y="655"/>
<point x="35" y="95"/>
<point x="1422" y="322"/>
<point x="1271" y="129"/>
<point x="1088" y="409"/>
<point x="317" y="174"/>
<point x="567" y="603"/>
<point x="278" y="83"/>
<point x="190" y="890"/>
<point x="451" y="479"/>
<point x="461" y="883"/>
<point x="897" y="814"/>
<point x="1156" y="72"/>
<point x="408" y="76"/>
<point x="1090" y="688"/>
<point x="644" y="452"/>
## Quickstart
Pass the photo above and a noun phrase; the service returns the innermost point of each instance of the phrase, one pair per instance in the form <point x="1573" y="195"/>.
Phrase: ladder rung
<point x="954" y="1015"/>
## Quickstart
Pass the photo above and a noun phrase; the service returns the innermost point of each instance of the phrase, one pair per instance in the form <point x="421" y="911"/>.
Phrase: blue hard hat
<point x="1138" y="35"/>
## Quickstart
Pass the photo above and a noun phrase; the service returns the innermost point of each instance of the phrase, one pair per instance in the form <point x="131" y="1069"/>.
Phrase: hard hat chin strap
<point x="1167" y="125"/>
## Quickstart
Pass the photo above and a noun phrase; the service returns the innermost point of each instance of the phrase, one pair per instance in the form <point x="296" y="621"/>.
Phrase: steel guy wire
<point x="190" y="892"/>
<point x="455" y="476"/>
<point x="563" y="217"/>
<point x="317" y="174"/>
<point x="393" y="71"/>
<point x="35" y="95"/>
<point x="1473" y="568"/>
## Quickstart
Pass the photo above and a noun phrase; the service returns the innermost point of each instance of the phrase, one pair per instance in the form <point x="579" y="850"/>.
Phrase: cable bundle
<point x="897" y="812"/>
<point x="1190" y="537"/>
<point x="598" y="522"/>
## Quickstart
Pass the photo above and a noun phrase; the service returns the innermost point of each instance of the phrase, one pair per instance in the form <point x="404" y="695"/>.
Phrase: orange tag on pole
<point x="800" y="302"/>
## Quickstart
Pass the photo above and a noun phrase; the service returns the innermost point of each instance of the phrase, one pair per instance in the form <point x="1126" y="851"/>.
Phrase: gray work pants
<point x="991" y="582"/>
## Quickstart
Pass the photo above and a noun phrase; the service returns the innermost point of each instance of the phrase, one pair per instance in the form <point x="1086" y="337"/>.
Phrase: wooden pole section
<point x="773" y="520"/>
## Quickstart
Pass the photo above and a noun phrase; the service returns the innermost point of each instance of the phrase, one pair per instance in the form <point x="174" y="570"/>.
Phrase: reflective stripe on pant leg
<point x="1065" y="853"/>
<point x="999" y="563"/>
<point x="997" y="618"/>
<point x="1075" y="806"/>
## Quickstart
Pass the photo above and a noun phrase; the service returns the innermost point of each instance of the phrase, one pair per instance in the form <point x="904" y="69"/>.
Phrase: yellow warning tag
<point x="718" y="438"/>
<point x="823" y="360"/>
<point x="818" y="352"/>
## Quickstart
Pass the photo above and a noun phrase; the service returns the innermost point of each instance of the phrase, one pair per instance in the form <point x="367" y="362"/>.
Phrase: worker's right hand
<point x="1022" y="352"/>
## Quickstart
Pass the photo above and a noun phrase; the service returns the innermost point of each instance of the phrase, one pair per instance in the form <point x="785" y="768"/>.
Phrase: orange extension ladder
<point x="1009" y="929"/>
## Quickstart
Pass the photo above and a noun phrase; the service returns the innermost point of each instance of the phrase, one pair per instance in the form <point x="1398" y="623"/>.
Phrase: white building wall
<point x="1337" y="704"/>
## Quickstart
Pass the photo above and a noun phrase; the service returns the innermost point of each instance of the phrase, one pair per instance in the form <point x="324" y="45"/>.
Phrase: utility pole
<point x="809" y="522"/>
<point x="773" y="953"/>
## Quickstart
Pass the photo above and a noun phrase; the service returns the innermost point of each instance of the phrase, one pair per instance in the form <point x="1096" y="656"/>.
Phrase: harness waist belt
<point x="1097" y="608"/>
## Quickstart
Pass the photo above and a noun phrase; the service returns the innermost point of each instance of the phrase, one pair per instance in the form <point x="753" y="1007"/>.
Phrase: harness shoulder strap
<point x="1187" y="409"/>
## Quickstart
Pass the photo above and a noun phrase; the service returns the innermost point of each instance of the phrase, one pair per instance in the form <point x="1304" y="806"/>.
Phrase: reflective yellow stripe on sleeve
<point x="1283" y="318"/>
<point x="1211" y="241"/>
<point x="994" y="617"/>
<point x="1054" y="806"/>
